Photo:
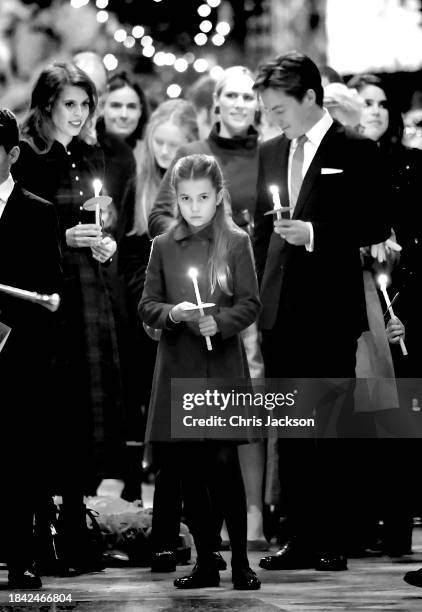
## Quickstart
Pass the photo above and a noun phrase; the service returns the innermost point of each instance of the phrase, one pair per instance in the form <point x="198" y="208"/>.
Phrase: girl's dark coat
<point x="182" y="351"/>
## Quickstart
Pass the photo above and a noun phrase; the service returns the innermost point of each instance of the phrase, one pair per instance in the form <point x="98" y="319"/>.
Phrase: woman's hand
<point x="208" y="325"/>
<point x="104" y="250"/>
<point x="83" y="235"/>
<point x="184" y="312"/>
<point x="385" y="250"/>
<point x="395" y="330"/>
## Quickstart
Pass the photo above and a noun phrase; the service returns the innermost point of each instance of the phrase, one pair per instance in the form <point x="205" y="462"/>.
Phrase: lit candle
<point x="97" y="184"/>
<point x="193" y="273"/>
<point x="382" y="282"/>
<point x="276" y="200"/>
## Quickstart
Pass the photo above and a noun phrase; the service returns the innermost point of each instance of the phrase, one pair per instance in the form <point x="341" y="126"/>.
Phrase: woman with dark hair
<point x="125" y="112"/>
<point x="59" y="165"/>
<point x="382" y="122"/>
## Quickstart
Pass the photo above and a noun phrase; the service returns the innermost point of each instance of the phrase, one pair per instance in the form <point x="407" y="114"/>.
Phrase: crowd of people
<point x="293" y="295"/>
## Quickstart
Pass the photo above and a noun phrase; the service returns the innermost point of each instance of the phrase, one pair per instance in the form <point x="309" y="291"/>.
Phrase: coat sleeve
<point x="163" y="211"/>
<point x="263" y="227"/>
<point x="246" y="305"/>
<point x="153" y="308"/>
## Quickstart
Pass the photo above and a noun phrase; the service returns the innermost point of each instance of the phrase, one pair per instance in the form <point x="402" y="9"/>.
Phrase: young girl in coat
<point x="206" y="238"/>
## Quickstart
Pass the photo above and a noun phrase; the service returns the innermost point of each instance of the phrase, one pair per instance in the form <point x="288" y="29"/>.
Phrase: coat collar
<point x="183" y="232"/>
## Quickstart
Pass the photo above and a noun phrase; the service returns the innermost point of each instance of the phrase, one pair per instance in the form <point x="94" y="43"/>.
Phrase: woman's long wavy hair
<point x="38" y="128"/>
<point x="182" y="114"/>
<point x="200" y="166"/>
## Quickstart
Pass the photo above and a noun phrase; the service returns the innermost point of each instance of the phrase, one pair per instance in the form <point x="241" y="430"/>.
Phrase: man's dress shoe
<point x="220" y="564"/>
<point x="331" y="563"/>
<point x="414" y="578"/>
<point x="24" y="580"/>
<point x="245" y="579"/>
<point x="164" y="561"/>
<point x="200" y="578"/>
<point x="288" y="557"/>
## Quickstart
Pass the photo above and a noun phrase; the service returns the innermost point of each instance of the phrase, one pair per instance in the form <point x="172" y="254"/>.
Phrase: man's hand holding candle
<point x="293" y="231"/>
<point x="83" y="235"/>
<point x="104" y="250"/>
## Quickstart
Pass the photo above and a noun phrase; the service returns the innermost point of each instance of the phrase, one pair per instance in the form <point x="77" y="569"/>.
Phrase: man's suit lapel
<point x="314" y="171"/>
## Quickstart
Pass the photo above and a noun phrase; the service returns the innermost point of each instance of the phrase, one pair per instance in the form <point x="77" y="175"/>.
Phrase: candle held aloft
<point x="276" y="200"/>
<point x="382" y="282"/>
<point x="193" y="273"/>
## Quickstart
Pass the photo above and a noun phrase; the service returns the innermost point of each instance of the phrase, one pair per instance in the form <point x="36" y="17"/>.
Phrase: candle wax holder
<point x="103" y="201"/>
<point x="282" y="209"/>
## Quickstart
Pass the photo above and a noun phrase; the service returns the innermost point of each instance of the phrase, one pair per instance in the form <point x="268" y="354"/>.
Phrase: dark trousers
<point x="192" y="470"/>
<point x="315" y="472"/>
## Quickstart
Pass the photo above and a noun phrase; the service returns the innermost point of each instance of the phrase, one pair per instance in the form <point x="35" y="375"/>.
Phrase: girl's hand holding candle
<point x="185" y="311"/>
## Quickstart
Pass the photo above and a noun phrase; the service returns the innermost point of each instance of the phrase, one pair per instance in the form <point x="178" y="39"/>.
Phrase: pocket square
<point x="331" y="170"/>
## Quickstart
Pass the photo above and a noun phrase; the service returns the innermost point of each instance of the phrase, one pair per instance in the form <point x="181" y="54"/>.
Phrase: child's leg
<point x="228" y="481"/>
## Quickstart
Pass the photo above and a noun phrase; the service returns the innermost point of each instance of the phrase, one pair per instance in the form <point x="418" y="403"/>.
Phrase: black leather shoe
<point x="198" y="579"/>
<point x="24" y="580"/>
<point x="414" y="578"/>
<point x="163" y="561"/>
<point x="220" y="564"/>
<point x="331" y="563"/>
<point x="288" y="557"/>
<point x="245" y="579"/>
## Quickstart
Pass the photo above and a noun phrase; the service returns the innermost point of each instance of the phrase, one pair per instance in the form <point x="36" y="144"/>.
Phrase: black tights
<point x="194" y="469"/>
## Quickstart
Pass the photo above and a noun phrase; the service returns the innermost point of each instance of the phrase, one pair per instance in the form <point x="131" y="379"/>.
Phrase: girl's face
<point x="237" y="102"/>
<point x="122" y="111"/>
<point x="375" y="116"/>
<point x="165" y="141"/>
<point x="198" y="201"/>
<point x="70" y="113"/>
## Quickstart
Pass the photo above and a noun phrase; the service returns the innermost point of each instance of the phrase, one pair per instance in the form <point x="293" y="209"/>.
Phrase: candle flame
<point x="273" y="189"/>
<point x="97" y="184"/>
<point x="382" y="280"/>
<point x="193" y="272"/>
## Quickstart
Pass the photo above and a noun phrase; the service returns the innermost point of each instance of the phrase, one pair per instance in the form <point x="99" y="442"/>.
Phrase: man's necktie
<point x="296" y="172"/>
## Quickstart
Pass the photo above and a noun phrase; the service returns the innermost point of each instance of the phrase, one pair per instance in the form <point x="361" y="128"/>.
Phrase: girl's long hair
<point x="182" y="114"/>
<point x="38" y="128"/>
<point x="197" y="167"/>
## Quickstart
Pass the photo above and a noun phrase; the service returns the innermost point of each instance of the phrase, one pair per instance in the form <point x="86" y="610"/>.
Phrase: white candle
<point x="382" y="281"/>
<point x="276" y="200"/>
<point x="97" y="184"/>
<point x="193" y="273"/>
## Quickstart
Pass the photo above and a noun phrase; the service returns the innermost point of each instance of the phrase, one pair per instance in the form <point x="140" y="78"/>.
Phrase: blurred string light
<point x="160" y="58"/>
<point x="174" y="90"/>
<point x="102" y="16"/>
<point x="110" y="61"/>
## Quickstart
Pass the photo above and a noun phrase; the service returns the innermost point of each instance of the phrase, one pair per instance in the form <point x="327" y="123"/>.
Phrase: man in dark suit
<point x="311" y="286"/>
<point x="29" y="259"/>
